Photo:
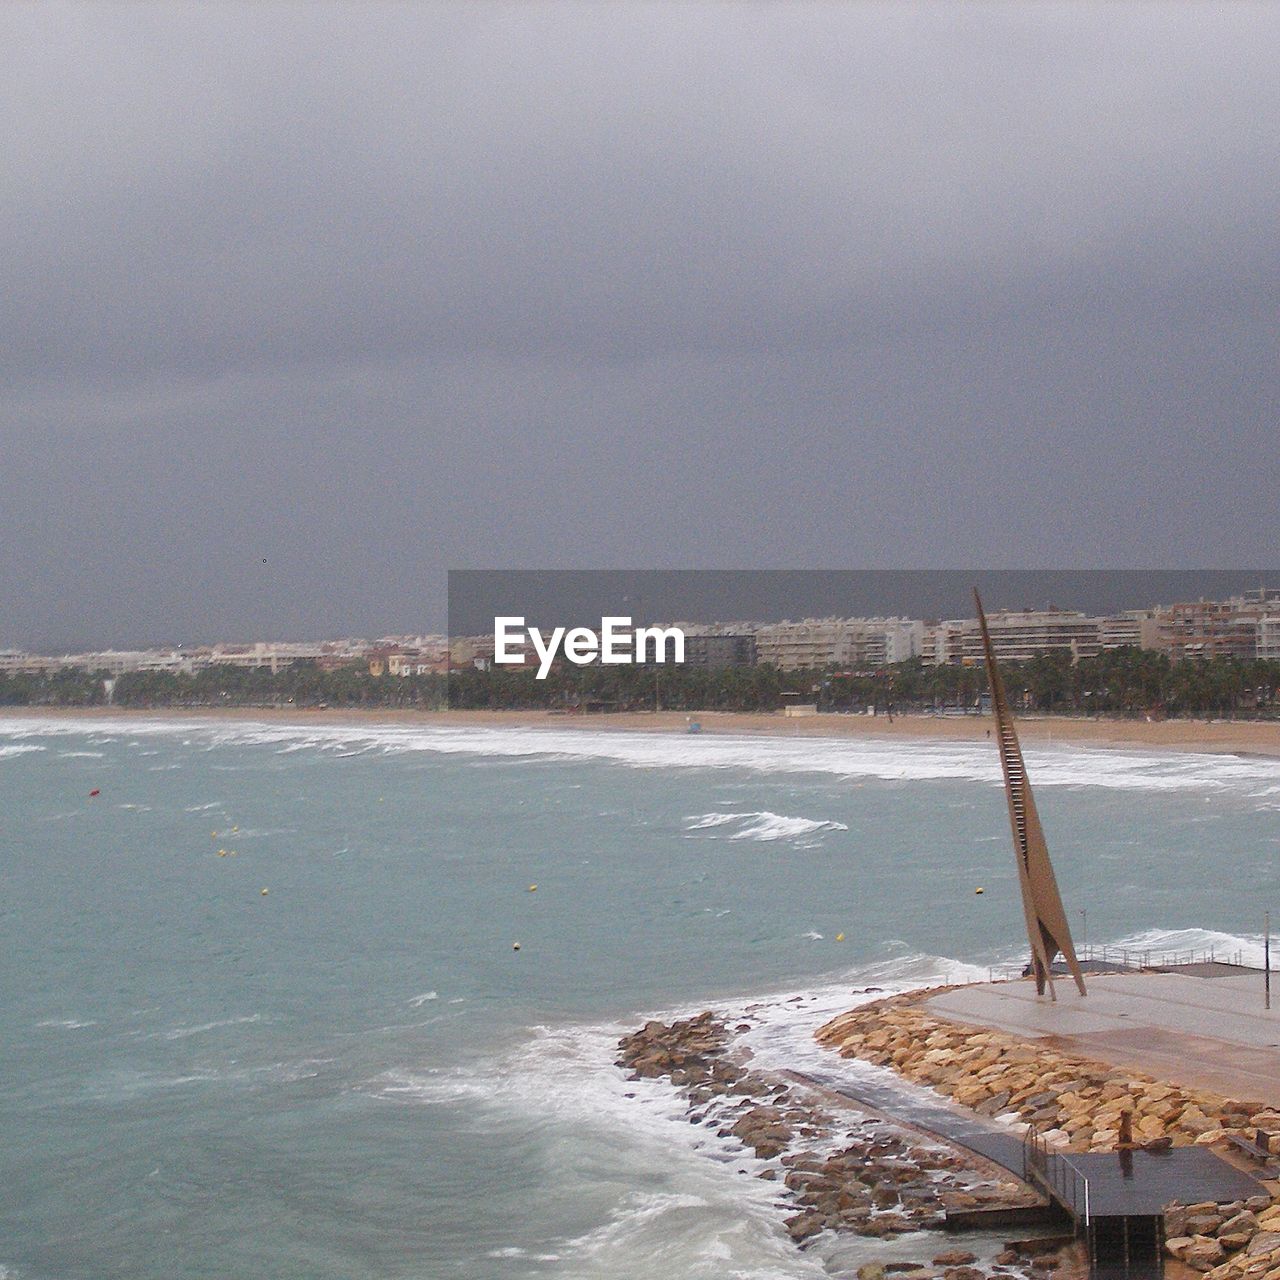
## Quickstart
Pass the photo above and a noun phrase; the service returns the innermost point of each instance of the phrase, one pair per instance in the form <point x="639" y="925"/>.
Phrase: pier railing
<point x="1057" y="1174"/>
<point x="1133" y="958"/>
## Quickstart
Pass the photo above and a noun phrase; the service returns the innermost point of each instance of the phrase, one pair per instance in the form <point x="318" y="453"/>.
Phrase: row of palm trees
<point x="1120" y="682"/>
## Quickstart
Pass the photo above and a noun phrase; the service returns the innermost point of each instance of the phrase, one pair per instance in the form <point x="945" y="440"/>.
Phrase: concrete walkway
<point x="1198" y="1032"/>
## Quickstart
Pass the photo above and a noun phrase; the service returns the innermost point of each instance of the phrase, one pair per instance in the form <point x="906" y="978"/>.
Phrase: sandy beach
<point x="1223" y="736"/>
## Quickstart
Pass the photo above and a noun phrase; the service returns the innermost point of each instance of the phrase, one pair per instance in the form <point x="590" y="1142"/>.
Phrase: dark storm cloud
<point x="371" y="290"/>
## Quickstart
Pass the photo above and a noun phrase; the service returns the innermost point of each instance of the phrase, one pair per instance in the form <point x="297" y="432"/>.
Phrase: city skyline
<point x="1245" y="625"/>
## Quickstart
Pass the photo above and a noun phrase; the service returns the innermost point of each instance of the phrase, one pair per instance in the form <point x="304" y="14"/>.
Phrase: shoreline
<point x="1223" y="737"/>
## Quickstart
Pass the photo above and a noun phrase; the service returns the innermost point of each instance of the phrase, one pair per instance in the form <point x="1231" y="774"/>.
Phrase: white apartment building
<point x="16" y="662"/>
<point x="856" y="643"/>
<point x="1269" y="637"/>
<point x="1136" y="627"/>
<point x="118" y="662"/>
<point x="1017" y="635"/>
<point x="265" y="654"/>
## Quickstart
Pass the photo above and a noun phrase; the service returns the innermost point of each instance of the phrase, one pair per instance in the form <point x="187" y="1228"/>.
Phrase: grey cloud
<point x="375" y="289"/>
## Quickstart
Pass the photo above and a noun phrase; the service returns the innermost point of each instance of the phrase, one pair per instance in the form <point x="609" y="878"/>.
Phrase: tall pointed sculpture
<point x="1046" y="920"/>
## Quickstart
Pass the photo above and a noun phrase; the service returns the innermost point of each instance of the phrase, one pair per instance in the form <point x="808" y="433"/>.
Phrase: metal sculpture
<point x="1047" y="927"/>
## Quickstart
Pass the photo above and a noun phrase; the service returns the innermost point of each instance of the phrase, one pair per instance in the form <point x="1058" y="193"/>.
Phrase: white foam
<point x="891" y="760"/>
<point x="423" y="998"/>
<point x="182" y="1033"/>
<point x="19" y="749"/>
<point x="1245" y="949"/>
<point x="763" y="825"/>
<point x="679" y="1196"/>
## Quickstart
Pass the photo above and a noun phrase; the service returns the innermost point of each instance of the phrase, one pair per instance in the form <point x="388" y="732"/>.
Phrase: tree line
<point x="1120" y="682"/>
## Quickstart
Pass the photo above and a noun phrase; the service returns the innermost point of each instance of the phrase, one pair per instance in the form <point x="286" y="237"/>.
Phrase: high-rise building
<point x="1208" y="629"/>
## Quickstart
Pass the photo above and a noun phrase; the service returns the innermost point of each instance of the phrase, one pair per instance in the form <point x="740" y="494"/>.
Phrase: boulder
<point x="1203" y="1224"/>
<point x="1263" y="1242"/>
<point x="803" y="1225"/>
<point x="1202" y="1253"/>
<point x="1245" y="1221"/>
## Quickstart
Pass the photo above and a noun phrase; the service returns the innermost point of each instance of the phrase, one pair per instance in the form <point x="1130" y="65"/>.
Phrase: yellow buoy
<point x="533" y="888"/>
<point x="979" y="890"/>
<point x="515" y="946"/>
<point x="222" y="853"/>
<point x="839" y="937"/>
<point x="265" y="892"/>
<point x="235" y="829"/>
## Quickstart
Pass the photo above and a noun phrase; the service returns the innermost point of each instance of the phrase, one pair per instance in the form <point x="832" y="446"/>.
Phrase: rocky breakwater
<point x="1080" y="1105"/>
<point x="1073" y="1102"/>
<point x="841" y="1170"/>
<point x="1228" y="1242"/>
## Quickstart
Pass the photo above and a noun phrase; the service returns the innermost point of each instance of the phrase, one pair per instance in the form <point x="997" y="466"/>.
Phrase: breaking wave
<point x="678" y="1197"/>
<point x="762" y="825"/>
<point x="183" y="1033"/>
<point x="888" y="760"/>
<point x="1194" y="943"/>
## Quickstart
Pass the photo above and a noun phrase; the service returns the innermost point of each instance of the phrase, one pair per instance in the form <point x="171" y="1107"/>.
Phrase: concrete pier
<point x="1197" y="1031"/>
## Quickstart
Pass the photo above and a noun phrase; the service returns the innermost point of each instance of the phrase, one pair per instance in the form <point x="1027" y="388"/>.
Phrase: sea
<point x="342" y="1001"/>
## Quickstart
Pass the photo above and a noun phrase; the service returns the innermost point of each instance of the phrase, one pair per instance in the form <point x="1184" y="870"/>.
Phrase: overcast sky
<point x="302" y="305"/>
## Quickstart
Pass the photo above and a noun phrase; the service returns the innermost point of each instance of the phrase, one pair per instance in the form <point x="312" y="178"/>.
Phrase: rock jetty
<point x="852" y="1173"/>
<point x="1238" y="1241"/>
<point x="1073" y="1102"/>
<point x="1077" y="1104"/>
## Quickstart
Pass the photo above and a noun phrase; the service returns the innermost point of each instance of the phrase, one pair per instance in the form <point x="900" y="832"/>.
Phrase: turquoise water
<point x="356" y="1075"/>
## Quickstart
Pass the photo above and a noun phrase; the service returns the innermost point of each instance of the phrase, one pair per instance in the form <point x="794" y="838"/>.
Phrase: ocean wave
<point x="68" y="1024"/>
<point x="885" y="760"/>
<point x="78" y="755"/>
<point x="183" y="1033"/>
<point x="129" y="1084"/>
<point x="694" y="1214"/>
<point x="1232" y="948"/>
<point x="763" y="825"/>
<point x="19" y="749"/>
<point x="422" y="999"/>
